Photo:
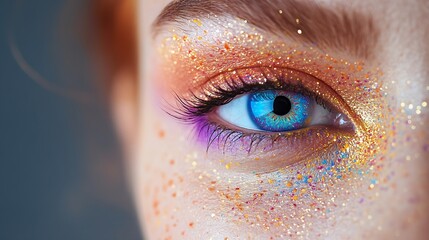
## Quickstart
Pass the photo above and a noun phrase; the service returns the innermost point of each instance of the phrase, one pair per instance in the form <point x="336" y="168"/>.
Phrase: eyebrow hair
<point x="303" y="21"/>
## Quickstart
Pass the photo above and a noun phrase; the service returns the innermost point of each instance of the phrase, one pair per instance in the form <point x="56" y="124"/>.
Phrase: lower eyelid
<point x="276" y="151"/>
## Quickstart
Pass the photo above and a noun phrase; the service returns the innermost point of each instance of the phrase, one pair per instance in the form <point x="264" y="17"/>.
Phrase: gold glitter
<point x="228" y="166"/>
<point x="198" y="22"/>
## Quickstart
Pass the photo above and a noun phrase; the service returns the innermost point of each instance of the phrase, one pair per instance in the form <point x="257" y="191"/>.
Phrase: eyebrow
<point x="303" y="21"/>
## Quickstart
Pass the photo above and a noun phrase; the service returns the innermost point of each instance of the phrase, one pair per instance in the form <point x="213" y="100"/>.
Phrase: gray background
<point x="61" y="170"/>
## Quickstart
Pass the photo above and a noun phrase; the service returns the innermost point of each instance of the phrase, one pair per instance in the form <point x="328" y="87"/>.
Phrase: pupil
<point x="281" y="105"/>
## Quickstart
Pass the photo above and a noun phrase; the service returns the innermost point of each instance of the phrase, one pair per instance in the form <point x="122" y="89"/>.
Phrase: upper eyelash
<point x="190" y="110"/>
<point x="199" y="106"/>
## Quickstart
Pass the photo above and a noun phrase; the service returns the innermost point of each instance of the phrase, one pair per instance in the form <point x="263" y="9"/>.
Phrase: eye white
<point x="237" y="113"/>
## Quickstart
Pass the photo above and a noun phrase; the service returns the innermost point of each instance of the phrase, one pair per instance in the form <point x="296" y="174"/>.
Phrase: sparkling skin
<point x="378" y="182"/>
<point x="277" y="202"/>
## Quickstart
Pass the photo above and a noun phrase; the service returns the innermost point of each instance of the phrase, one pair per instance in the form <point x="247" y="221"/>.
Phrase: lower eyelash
<point x="225" y="138"/>
<point x="214" y="134"/>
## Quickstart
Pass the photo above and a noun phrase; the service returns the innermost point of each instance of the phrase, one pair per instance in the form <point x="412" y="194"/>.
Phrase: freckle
<point x="161" y="133"/>
<point x="155" y="204"/>
<point x="174" y="194"/>
<point x="180" y="179"/>
<point x="170" y="182"/>
<point x="191" y="224"/>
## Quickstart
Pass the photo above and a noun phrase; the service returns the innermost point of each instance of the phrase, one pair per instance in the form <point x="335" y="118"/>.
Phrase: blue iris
<point x="279" y="111"/>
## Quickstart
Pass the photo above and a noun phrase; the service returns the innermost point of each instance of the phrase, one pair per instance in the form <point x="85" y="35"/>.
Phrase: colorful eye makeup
<point x="247" y="96"/>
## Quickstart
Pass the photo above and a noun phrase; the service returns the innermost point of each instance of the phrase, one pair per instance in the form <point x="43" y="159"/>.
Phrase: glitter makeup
<point x="273" y="181"/>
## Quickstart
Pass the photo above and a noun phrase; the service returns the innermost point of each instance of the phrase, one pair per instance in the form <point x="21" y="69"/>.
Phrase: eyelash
<point x="194" y="110"/>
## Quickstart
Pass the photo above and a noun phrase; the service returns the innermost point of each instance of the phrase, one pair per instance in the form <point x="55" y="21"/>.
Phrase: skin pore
<point x="196" y="176"/>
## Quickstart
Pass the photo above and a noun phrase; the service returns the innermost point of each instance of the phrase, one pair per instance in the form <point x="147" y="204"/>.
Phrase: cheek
<point x="171" y="203"/>
<point x="182" y="192"/>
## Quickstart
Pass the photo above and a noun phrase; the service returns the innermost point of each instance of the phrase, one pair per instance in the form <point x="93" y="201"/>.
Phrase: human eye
<point x="276" y="111"/>
<point x="287" y="108"/>
<point x="258" y="110"/>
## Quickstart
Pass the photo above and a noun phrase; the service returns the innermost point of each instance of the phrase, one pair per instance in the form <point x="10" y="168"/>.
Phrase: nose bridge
<point x="404" y="59"/>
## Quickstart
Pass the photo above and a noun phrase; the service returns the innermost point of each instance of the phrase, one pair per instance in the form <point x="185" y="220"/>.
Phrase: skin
<point x="183" y="192"/>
